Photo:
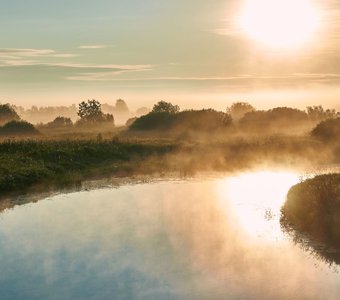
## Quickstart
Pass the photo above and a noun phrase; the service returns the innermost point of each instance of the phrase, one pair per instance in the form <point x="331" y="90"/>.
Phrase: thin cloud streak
<point x="93" y="46"/>
<point x="25" y="63"/>
<point x="24" y="53"/>
<point x="302" y="76"/>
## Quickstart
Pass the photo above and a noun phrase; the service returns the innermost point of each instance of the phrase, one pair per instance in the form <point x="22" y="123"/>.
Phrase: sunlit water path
<point x="186" y="239"/>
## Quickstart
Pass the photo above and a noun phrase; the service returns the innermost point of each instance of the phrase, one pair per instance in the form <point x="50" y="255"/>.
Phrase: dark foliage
<point x="327" y="130"/>
<point x="90" y="112"/>
<point x="18" y="128"/>
<point x="313" y="208"/>
<point x="130" y="121"/>
<point x="318" y="113"/>
<point x="60" y="122"/>
<point x="277" y="118"/>
<point x="23" y="163"/>
<point x="165" y="107"/>
<point x="200" y="120"/>
<point x="7" y="114"/>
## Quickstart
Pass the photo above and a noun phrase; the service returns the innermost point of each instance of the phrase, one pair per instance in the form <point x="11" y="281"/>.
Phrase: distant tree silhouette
<point x="239" y="109"/>
<point x="91" y="112"/>
<point x="318" y="113"/>
<point x="165" y="107"/>
<point x="328" y="130"/>
<point x="7" y="114"/>
<point x="206" y="120"/>
<point x="121" y="106"/>
<point x="47" y="113"/>
<point x="18" y="128"/>
<point x="280" y="118"/>
<point x="60" y="122"/>
<point x="142" y="111"/>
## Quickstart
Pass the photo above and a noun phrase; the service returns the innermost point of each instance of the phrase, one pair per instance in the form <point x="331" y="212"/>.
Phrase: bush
<point x="60" y="122"/>
<point x="194" y="120"/>
<point x="311" y="216"/>
<point x="327" y="130"/>
<point x="274" y="119"/>
<point x="313" y="208"/>
<point x="7" y="114"/>
<point x="18" y="128"/>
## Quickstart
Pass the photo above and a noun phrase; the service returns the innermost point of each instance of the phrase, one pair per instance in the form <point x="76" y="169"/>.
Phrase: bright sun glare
<point x="252" y="196"/>
<point x="280" y="23"/>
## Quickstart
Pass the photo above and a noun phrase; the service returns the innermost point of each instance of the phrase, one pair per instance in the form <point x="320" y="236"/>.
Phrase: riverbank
<point x="313" y="209"/>
<point x="24" y="164"/>
<point x="28" y="163"/>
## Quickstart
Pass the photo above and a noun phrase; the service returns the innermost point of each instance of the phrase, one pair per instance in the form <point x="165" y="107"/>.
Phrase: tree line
<point x="167" y="116"/>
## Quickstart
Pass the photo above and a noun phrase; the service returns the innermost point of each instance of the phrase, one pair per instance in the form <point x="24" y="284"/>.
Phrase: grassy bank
<point x="31" y="162"/>
<point x="313" y="208"/>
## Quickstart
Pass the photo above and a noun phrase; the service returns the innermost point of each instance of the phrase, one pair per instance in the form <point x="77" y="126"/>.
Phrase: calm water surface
<point x="191" y="239"/>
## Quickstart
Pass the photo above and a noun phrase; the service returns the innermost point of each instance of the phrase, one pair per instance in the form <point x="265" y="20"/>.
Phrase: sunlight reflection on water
<point x="194" y="239"/>
<point x="256" y="199"/>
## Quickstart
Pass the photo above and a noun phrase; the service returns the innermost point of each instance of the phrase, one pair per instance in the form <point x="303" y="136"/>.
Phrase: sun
<point x="280" y="23"/>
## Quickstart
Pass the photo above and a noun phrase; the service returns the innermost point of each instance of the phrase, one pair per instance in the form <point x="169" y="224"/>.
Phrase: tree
<point x="142" y="111"/>
<point x="7" y="114"/>
<point x="239" y="109"/>
<point x="206" y="120"/>
<point x="318" y="113"/>
<point x="165" y="107"/>
<point x="121" y="106"/>
<point x="60" y="122"/>
<point x="91" y="112"/>
<point x="279" y="119"/>
<point x="18" y="128"/>
<point x="328" y="130"/>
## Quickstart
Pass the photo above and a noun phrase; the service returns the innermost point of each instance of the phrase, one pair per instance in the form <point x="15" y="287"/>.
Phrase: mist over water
<point x="195" y="239"/>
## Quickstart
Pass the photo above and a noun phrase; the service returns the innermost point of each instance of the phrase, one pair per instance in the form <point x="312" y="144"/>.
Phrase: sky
<point x="189" y="52"/>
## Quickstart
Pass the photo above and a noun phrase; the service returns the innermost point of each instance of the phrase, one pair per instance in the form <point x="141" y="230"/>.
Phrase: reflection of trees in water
<point x="328" y="253"/>
<point x="37" y="194"/>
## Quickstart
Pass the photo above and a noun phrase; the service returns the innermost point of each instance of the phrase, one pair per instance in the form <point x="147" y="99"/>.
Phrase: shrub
<point x="194" y="120"/>
<point x="18" y="128"/>
<point x="7" y="114"/>
<point x="313" y="207"/>
<point x="274" y="119"/>
<point x="327" y="130"/>
<point x="60" y="122"/>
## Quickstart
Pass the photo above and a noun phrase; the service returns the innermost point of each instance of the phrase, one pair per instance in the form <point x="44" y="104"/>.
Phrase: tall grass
<point x="24" y="163"/>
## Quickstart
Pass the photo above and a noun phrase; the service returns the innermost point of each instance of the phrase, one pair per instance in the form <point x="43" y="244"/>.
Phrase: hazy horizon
<point x="194" y="54"/>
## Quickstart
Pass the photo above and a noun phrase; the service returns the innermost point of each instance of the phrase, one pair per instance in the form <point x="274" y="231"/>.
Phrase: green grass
<point x="53" y="160"/>
<point x="30" y="162"/>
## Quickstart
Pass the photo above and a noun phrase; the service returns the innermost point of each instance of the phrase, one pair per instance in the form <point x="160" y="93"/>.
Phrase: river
<point x="203" y="238"/>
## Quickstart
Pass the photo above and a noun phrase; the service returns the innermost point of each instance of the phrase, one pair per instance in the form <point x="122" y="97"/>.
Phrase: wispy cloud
<point x="49" y="61"/>
<point x="24" y="53"/>
<point x="99" y="75"/>
<point x="93" y="46"/>
<point x="311" y="76"/>
<point x="241" y="80"/>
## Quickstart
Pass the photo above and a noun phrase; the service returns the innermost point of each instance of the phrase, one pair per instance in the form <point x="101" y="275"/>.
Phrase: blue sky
<point x="60" y="52"/>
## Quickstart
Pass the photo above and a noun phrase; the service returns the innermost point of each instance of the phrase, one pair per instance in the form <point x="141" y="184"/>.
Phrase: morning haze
<point x="169" y="149"/>
<point x="58" y="52"/>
